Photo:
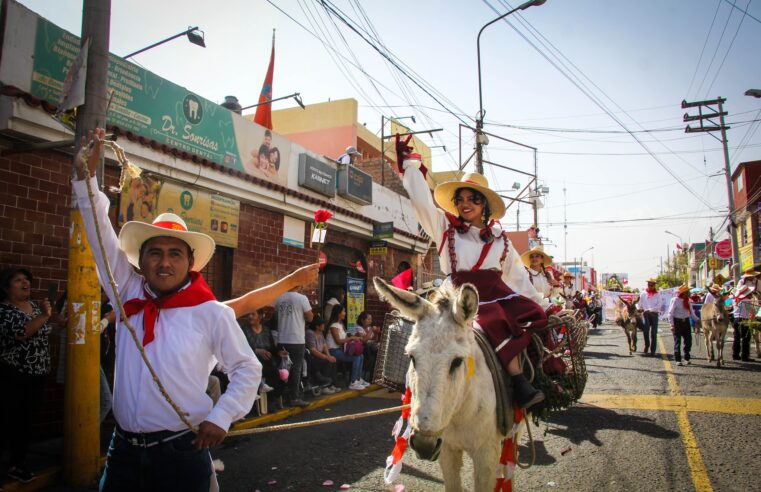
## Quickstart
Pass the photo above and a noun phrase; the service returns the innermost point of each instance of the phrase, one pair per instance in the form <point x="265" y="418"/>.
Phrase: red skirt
<point x="502" y="314"/>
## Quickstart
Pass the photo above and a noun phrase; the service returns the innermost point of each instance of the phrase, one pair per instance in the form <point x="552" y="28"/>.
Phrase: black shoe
<point x="21" y="474"/>
<point x="526" y="396"/>
<point x="299" y="403"/>
<point x="735" y="357"/>
<point x="746" y="359"/>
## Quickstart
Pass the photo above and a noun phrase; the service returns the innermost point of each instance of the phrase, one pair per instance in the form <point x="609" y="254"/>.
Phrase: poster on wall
<point x="144" y="103"/>
<point x="355" y="300"/>
<point x="146" y="197"/>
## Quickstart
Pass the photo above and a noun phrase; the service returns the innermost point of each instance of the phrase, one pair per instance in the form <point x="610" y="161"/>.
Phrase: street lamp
<point x="194" y="36"/>
<point x="296" y="96"/>
<point x="681" y="243"/>
<point x="481" y="139"/>
<point x="581" y="263"/>
<point x="753" y="92"/>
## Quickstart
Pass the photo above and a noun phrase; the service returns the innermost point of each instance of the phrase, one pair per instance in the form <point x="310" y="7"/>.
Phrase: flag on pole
<point x="73" y="93"/>
<point x="263" y="114"/>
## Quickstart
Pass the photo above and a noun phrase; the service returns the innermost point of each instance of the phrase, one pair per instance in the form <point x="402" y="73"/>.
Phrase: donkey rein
<point x="329" y="420"/>
<point x="125" y="165"/>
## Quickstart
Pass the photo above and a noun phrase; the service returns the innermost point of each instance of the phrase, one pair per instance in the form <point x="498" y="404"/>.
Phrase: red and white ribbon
<point x="394" y="461"/>
<point x="506" y="467"/>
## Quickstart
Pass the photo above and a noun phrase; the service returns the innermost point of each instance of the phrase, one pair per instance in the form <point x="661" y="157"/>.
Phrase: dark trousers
<point x="322" y="367"/>
<point x="682" y="332"/>
<point x="296" y="353"/>
<point x="650" y="330"/>
<point x="172" y="466"/>
<point x="741" y="342"/>
<point x="22" y="396"/>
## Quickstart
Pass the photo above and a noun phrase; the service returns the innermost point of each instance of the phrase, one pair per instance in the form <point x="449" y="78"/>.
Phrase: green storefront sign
<point x="152" y="107"/>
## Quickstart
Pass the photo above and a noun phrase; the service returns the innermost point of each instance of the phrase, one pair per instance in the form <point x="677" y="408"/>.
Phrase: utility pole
<point x="712" y="126"/>
<point x="81" y="464"/>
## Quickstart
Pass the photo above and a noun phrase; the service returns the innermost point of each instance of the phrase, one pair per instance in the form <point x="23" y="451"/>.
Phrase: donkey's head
<point x="719" y="309"/>
<point x="441" y="350"/>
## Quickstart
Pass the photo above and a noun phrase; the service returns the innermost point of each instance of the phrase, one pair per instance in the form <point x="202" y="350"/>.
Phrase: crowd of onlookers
<point x="305" y="354"/>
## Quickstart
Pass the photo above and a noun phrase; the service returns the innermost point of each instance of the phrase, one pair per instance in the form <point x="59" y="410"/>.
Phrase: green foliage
<point x="675" y="272"/>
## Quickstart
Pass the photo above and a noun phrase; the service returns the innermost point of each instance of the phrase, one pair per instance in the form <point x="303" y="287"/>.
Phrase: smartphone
<point x="52" y="292"/>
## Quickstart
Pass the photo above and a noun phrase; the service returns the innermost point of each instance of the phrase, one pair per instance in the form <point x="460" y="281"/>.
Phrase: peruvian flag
<point x="263" y="114"/>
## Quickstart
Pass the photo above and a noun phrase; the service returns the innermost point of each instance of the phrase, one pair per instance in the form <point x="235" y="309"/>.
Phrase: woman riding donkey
<point x="537" y="262"/>
<point x="474" y="249"/>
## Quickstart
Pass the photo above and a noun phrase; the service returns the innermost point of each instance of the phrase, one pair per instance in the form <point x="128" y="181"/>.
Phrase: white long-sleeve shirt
<point x="468" y="245"/>
<point x="649" y="302"/>
<point x="678" y="311"/>
<point x="188" y="343"/>
<point x="539" y="281"/>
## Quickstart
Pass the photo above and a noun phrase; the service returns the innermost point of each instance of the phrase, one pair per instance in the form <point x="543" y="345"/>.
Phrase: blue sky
<point x="633" y="63"/>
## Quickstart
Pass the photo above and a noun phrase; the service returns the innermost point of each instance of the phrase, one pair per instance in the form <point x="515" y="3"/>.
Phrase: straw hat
<point x="567" y="275"/>
<point x="444" y="193"/>
<point x="526" y="257"/>
<point x="651" y="280"/>
<point x="134" y="234"/>
<point x="682" y="289"/>
<point x="751" y="272"/>
<point x="428" y="287"/>
<point x="719" y="279"/>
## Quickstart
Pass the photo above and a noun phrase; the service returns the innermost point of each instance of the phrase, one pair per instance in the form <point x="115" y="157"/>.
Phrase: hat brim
<point x="526" y="257"/>
<point x="444" y="194"/>
<point x="134" y="234"/>
<point x="754" y="274"/>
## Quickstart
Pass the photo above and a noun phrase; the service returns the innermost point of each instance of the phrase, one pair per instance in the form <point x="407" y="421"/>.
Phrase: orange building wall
<point x="331" y="142"/>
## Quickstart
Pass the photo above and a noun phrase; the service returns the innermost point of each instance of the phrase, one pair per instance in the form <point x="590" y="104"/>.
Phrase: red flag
<point x="678" y="246"/>
<point x="263" y="114"/>
<point x="403" y="280"/>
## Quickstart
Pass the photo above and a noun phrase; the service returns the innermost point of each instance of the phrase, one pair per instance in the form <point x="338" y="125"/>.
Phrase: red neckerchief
<point x="686" y="300"/>
<point x="651" y="293"/>
<point x="196" y="293"/>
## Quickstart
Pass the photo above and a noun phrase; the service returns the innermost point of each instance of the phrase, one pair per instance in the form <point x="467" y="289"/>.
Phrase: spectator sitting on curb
<point x="322" y="370"/>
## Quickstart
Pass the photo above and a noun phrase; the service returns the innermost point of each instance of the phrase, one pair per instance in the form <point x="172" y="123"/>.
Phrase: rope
<point x="134" y="171"/>
<point x="329" y="420"/>
<point x="533" y="450"/>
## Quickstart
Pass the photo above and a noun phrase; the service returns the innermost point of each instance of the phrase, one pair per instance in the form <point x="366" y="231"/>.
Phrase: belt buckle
<point x="138" y="441"/>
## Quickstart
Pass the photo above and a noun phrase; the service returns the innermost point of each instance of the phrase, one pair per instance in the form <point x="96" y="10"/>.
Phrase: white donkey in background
<point x="452" y="411"/>
<point x="715" y="322"/>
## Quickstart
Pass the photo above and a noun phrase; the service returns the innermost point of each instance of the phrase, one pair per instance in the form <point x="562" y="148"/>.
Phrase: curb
<point x="288" y="412"/>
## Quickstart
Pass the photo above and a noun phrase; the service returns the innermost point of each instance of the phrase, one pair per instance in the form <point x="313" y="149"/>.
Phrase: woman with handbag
<point x="342" y="347"/>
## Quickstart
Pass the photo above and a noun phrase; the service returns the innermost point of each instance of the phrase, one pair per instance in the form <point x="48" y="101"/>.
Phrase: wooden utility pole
<point x="81" y="465"/>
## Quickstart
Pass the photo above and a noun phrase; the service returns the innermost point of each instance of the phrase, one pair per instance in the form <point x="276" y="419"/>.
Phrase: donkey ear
<point x="465" y="304"/>
<point x="408" y="303"/>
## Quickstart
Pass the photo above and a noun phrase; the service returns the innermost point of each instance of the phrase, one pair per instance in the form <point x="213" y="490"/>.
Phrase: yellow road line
<point x="694" y="459"/>
<point x="704" y="404"/>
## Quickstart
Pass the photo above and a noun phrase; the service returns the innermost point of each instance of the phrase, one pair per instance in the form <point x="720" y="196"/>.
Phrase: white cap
<point x="351" y="150"/>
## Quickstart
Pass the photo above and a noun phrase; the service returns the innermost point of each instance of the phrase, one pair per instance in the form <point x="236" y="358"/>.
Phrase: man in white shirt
<point x="680" y="313"/>
<point x="183" y="332"/>
<point x="651" y="305"/>
<point x="348" y="156"/>
<point x="747" y="290"/>
<point x="293" y="312"/>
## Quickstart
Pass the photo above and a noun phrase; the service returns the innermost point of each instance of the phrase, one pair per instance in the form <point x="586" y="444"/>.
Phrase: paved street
<point x="644" y="424"/>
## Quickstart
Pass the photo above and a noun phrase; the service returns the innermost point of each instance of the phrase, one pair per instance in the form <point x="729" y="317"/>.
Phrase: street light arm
<point x="183" y="33"/>
<point x="523" y="6"/>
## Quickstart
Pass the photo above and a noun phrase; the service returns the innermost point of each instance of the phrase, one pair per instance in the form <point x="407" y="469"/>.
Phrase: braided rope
<point x="328" y="420"/>
<point x="134" y="171"/>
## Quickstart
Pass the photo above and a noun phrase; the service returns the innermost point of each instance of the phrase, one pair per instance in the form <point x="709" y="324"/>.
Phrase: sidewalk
<point x="45" y="456"/>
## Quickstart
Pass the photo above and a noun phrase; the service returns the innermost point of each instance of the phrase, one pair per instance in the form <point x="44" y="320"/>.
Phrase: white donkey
<point x="452" y="411"/>
<point x="715" y="321"/>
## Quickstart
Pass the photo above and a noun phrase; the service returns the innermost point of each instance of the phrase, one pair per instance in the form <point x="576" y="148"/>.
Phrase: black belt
<point x="148" y="439"/>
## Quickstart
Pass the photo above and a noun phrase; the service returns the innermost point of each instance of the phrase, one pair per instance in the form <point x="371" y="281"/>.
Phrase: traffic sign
<point x="723" y="249"/>
<point x="713" y="263"/>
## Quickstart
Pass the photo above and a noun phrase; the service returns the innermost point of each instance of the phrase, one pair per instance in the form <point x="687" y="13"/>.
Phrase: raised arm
<point x="126" y="279"/>
<point x="264" y="296"/>
<point x="430" y="218"/>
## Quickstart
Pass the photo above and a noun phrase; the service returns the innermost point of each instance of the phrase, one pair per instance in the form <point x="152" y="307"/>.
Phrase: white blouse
<point x="468" y="245"/>
<point x="540" y="282"/>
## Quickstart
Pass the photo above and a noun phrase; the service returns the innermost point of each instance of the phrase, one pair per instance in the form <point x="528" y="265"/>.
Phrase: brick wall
<point x="391" y="179"/>
<point x="35" y="198"/>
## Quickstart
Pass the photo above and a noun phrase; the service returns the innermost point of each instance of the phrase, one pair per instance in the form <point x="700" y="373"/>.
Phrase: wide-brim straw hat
<point x="719" y="279"/>
<point x="539" y="250"/>
<point x="444" y="194"/>
<point x="682" y="289"/>
<point x="429" y="286"/>
<point x="750" y="272"/>
<point x="651" y="280"/>
<point x="567" y="275"/>
<point x="134" y="234"/>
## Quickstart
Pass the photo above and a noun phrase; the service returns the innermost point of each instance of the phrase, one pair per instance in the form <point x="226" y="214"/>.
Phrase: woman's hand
<point x="94" y="145"/>
<point x="46" y="308"/>
<point x="264" y="354"/>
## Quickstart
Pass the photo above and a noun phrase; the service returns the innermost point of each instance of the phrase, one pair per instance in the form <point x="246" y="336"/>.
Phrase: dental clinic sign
<point x="36" y="57"/>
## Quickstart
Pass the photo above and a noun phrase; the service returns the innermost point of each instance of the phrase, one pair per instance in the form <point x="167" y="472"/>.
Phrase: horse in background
<point x="454" y="405"/>
<point x="715" y="321"/>
<point x="628" y="318"/>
